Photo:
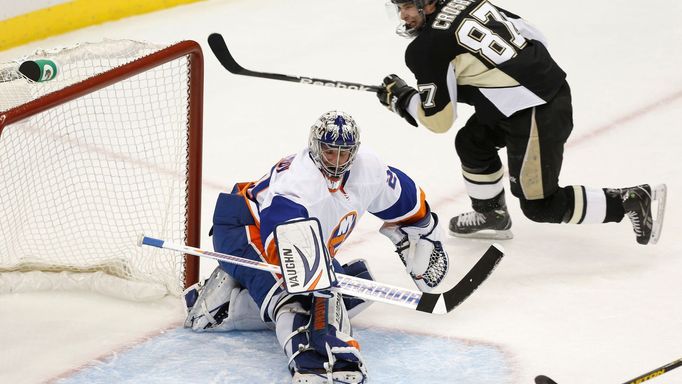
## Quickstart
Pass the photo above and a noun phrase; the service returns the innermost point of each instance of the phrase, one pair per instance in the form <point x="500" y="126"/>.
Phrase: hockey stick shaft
<point x="367" y="289"/>
<point x="219" y="48"/>
<point x="656" y="372"/>
<point x="364" y="289"/>
<point x="542" y="379"/>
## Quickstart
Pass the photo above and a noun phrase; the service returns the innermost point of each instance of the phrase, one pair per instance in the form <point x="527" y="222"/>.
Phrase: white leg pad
<point x="243" y="314"/>
<point x="222" y="305"/>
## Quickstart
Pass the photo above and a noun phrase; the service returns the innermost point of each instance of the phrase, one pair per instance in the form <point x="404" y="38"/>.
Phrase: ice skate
<point x="637" y="203"/>
<point x="495" y="224"/>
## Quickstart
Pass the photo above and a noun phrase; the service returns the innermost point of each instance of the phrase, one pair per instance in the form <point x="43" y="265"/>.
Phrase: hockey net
<point x="106" y="151"/>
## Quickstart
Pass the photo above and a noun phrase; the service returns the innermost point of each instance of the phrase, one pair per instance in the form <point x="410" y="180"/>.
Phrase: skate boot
<point x="495" y="224"/>
<point x="322" y="377"/>
<point x="637" y="203"/>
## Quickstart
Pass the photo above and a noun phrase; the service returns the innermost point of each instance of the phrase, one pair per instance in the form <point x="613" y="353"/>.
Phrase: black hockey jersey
<point x="473" y="52"/>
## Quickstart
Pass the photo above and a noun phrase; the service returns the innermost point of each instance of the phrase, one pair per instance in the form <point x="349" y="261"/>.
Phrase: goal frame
<point x="193" y="51"/>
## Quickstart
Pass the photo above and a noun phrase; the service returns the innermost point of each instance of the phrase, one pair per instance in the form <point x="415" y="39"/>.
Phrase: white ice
<point x="582" y="304"/>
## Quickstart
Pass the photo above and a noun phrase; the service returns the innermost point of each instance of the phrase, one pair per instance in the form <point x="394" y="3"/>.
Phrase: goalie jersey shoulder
<point x="295" y="188"/>
<point x="298" y="179"/>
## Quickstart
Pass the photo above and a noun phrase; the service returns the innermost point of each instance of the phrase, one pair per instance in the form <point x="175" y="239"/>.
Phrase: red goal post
<point x="107" y="150"/>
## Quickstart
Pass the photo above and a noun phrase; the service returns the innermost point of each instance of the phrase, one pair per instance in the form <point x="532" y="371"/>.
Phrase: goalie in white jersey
<point x="335" y="181"/>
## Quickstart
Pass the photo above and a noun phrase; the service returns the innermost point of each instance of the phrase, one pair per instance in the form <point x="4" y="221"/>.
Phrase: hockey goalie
<point x="298" y="216"/>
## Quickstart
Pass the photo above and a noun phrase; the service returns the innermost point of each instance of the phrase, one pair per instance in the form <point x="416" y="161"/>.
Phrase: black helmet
<point x="403" y="29"/>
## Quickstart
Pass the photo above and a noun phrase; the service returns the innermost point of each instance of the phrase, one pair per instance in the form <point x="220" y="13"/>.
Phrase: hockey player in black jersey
<point x="473" y="52"/>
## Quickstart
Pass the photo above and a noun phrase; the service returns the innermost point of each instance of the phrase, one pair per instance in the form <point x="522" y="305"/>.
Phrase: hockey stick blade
<point x="542" y="379"/>
<point x="367" y="289"/>
<point x="219" y="48"/>
<point x="447" y="301"/>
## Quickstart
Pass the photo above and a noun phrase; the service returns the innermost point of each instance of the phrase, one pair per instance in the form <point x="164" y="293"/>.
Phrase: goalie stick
<point x="219" y="48"/>
<point x="542" y="379"/>
<point x="439" y="303"/>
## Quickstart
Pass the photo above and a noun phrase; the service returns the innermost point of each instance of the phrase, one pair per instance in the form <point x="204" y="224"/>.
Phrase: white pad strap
<point x="284" y="320"/>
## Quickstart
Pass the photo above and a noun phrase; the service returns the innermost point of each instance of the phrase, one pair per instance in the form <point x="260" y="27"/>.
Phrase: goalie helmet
<point x="333" y="143"/>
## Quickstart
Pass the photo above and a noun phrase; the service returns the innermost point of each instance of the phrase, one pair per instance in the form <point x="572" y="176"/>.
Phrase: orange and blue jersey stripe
<point x="412" y="200"/>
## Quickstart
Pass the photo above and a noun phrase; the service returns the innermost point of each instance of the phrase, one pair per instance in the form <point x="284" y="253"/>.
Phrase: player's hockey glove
<point x="421" y="251"/>
<point x="395" y="94"/>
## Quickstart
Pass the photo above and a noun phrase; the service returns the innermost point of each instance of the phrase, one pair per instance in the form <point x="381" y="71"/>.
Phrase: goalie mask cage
<point x="107" y="150"/>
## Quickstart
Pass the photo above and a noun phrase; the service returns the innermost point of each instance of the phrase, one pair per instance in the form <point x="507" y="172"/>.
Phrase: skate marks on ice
<point x="393" y="357"/>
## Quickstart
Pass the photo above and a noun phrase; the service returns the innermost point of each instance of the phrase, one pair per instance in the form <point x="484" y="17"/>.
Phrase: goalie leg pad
<point x="345" y="377"/>
<point x="331" y="335"/>
<point x="315" y="346"/>
<point x="292" y="326"/>
<point x="220" y="304"/>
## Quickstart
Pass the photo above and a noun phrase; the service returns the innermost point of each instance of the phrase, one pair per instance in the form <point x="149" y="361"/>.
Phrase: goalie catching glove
<point x="395" y="95"/>
<point x="421" y="251"/>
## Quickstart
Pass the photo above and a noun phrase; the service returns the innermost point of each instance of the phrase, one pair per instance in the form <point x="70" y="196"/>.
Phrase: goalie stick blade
<point x="219" y="48"/>
<point x="447" y="301"/>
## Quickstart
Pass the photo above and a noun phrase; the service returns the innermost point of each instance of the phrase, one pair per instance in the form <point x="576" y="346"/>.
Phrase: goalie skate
<point x="339" y="377"/>
<point x="637" y="202"/>
<point x="495" y="224"/>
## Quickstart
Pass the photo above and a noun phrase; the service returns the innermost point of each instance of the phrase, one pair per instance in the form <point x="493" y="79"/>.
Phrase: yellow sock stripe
<point x="578" y="206"/>
<point x="489" y="178"/>
<point x="73" y="15"/>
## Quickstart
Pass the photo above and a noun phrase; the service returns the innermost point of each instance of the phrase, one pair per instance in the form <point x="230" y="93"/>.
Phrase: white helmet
<point x="333" y="143"/>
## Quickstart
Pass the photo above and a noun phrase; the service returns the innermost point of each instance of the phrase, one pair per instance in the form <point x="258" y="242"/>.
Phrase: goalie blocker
<point x="304" y="259"/>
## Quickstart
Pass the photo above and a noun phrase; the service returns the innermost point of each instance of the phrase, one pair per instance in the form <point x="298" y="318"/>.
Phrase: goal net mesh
<point x="82" y="180"/>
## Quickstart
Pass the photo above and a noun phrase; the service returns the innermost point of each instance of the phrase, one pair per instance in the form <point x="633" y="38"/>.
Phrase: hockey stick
<point x="219" y="48"/>
<point x="439" y="303"/>
<point x="542" y="379"/>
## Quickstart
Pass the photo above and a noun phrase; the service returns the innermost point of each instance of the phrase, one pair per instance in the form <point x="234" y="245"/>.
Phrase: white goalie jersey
<point x="295" y="188"/>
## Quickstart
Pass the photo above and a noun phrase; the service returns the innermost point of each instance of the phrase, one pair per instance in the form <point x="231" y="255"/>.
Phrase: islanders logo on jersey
<point x="341" y="232"/>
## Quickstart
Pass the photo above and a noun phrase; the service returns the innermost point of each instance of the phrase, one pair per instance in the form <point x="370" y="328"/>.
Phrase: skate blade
<point x="658" y="195"/>
<point x="490" y="234"/>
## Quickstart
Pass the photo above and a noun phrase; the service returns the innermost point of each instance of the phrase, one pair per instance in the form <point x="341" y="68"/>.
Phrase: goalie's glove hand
<point x="421" y="251"/>
<point x="395" y="95"/>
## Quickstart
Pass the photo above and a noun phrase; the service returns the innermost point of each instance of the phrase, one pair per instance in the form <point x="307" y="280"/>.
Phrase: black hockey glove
<point x="395" y="95"/>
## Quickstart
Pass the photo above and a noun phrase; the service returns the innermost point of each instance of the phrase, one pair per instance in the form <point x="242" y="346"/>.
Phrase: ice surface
<point x="582" y="304"/>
